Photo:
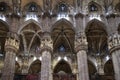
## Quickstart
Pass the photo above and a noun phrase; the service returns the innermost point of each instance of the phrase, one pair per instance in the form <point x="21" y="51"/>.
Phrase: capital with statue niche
<point x="81" y="42"/>
<point x="46" y="42"/>
<point x="114" y="42"/>
<point x="12" y="42"/>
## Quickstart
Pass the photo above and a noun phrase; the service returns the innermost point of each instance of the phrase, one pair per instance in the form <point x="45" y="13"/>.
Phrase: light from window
<point x="32" y="8"/>
<point x="2" y="7"/>
<point x="63" y="8"/>
<point x="93" y="7"/>
<point x="62" y="48"/>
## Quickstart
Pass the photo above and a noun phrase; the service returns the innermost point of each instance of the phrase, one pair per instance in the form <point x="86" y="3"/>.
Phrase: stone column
<point x="81" y="48"/>
<point x="11" y="48"/>
<point x="114" y="46"/>
<point x="46" y="49"/>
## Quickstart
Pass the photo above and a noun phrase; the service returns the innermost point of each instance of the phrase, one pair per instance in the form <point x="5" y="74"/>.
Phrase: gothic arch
<point x="63" y="21"/>
<point x="32" y="7"/>
<point x="97" y="38"/>
<point x="64" y="66"/>
<point x="27" y="23"/>
<point x="57" y="5"/>
<point x="30" y="36"/>
<point x="91" y="68"/>
<point x="94" y="7"/>
<point x="35" y="67"/>
<point x="98" y="22"/>
<point x="63" y="34"/>
<point x="108" y="67"/>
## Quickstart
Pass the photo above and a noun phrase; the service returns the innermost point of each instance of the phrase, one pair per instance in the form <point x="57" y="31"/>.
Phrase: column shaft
<point x="46" y="66"/>
<point x="116" y="63"/>
<point x="11" y="48"/>
<point x="82" y="65"/>
<point x="9" y="66"/>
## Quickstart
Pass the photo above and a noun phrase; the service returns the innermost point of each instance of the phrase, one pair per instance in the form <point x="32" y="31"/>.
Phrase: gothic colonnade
<point x="81" y="45"/>
<point x="12" y="46"/>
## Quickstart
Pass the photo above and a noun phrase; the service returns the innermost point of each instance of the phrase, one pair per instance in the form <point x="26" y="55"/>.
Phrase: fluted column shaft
<point x="46" y="46"/>
<point x="11" y="47"/>
<point x="114" y="46"/>
<point x="81" y="47"/>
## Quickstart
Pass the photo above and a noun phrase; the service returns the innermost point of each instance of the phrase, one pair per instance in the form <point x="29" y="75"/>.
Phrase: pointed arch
<point x="32" y="7"/>
<point x="61" y="4"/>
<point x="64" y="66"/>
<point x="94" y="7"/>
<point x="63" y="21"/>
<point x="97" y="22"/>
<point x="108" y="67"/>
<point x="30" y="35"/>
<point x="27" y="23"/>
<point x="35" y="67"/>
<point x="63" y="34"/>
<point x="97" y="37"/>
<point x="91" y="67"/>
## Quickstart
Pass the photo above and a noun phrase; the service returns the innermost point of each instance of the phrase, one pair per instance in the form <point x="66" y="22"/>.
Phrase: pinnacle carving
<point x="12" y="42"/>
<point x="114" y="41"/>
<point x="81" y="42"/>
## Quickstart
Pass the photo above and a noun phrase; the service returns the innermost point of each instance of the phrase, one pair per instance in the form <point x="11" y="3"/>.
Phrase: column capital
<point x="114" y="42"/>
<point x="12" y="42"/>
<point x="46" y="42"/>
<point x="81" y="42"/>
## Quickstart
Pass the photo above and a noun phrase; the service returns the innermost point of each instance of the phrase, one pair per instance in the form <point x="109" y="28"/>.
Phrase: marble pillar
<point x="46" y="50"/>
<point x="11" y="48"/>
<point x="81" y="48"/>
<point x="114" y="46"/>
